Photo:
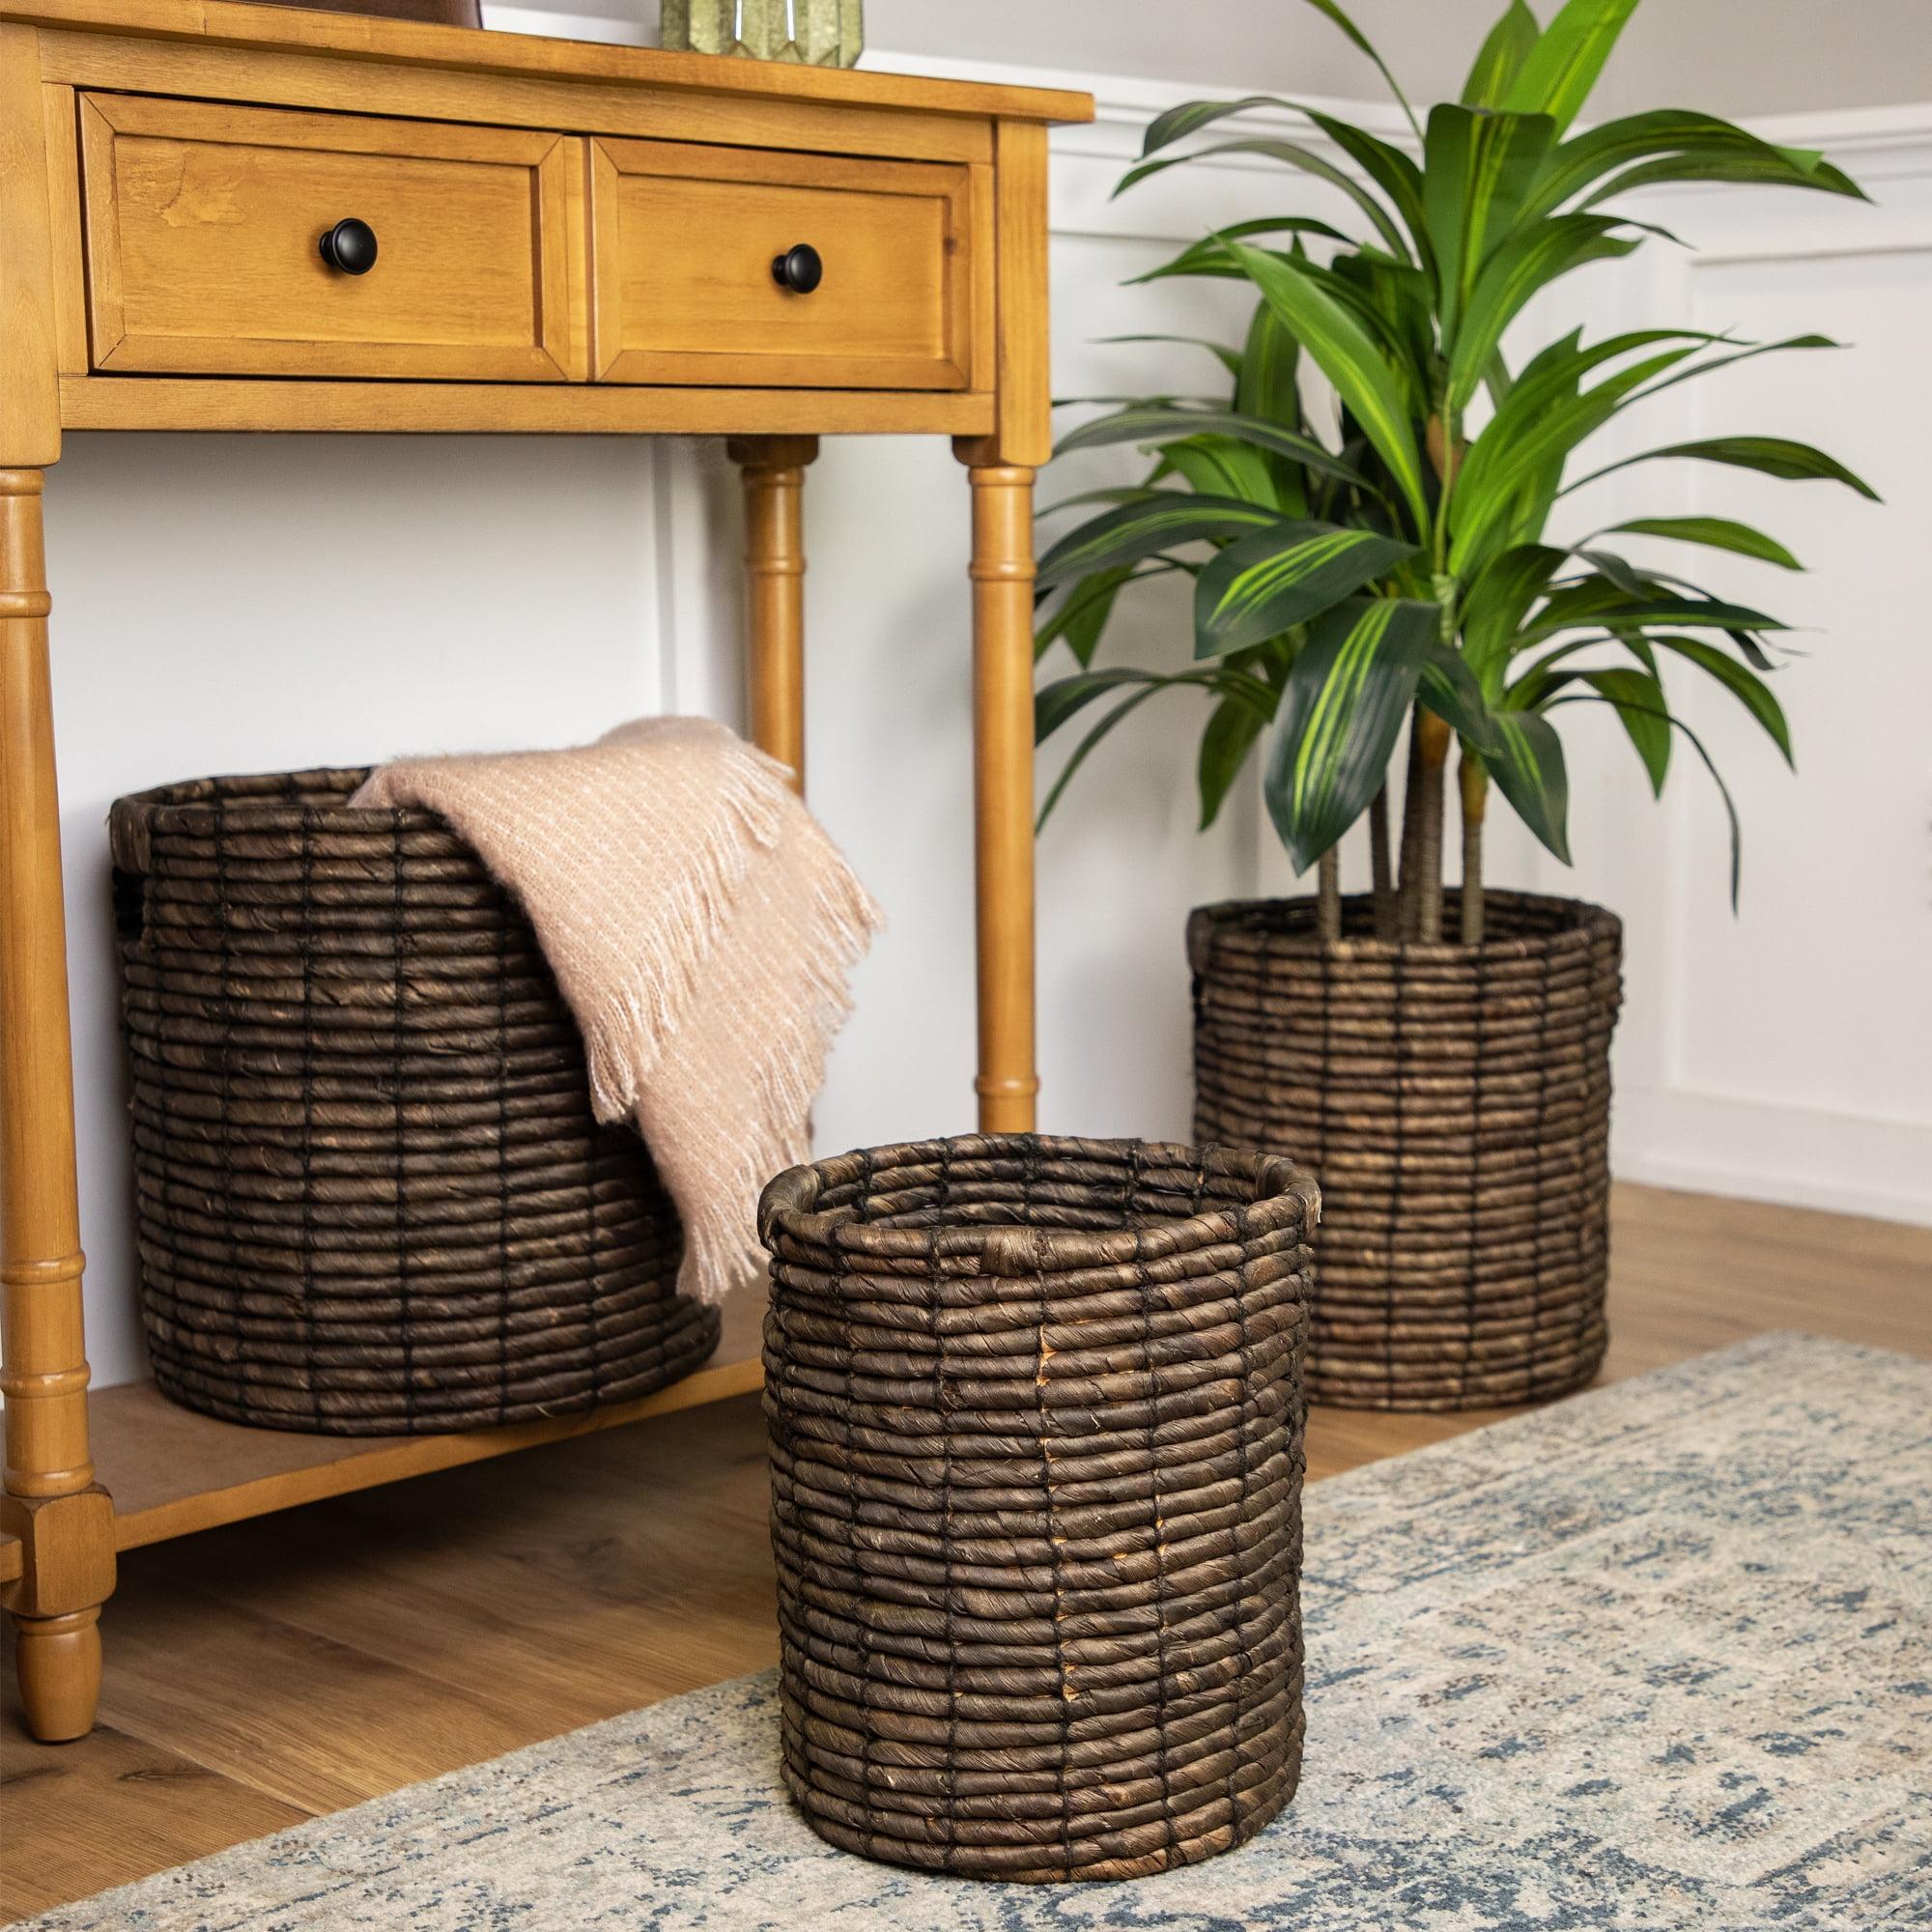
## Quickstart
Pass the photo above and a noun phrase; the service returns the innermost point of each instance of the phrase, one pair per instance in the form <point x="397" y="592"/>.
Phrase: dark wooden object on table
<point x="442" y="13"/>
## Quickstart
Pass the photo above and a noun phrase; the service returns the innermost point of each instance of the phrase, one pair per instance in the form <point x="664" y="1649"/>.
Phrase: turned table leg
<point x="1002" y="576"/>
<point x="52" y="1504"/>
<point x="774" y="474"/>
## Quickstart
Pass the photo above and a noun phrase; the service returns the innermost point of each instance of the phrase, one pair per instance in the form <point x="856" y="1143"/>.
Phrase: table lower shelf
<point x="172" y="1471"/>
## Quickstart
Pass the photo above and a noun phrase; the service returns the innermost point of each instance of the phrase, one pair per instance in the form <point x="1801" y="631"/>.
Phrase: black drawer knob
<point x="798" y="269"/>
<point x="351" y="247"/>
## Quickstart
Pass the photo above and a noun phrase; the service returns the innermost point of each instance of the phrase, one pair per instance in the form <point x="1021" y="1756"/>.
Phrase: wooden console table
<point x="217" y="217"/>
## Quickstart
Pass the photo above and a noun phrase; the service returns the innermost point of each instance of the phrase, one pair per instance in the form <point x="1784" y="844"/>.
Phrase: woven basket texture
<point x="1035" y="1418"/>
<point x="1456" y="1102"/>
<point x="371" y="1196"/>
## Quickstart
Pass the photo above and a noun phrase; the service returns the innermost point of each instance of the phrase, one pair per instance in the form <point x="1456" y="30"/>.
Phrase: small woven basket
<point x="1456" y="1102"/>
<point x="371" y="1196"/>
<point x="1035" y="1419"/>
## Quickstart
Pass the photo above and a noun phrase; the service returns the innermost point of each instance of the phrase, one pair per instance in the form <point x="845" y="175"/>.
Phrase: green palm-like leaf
<point x="1713" y="533"/>
<point x="1449" y="689"/>
<point x="1641" y="710"/>
<point x="1556" y="77"/>
<point x="1270" y="387"/>
<point x="1513" y="473"/>
<point x="1746" y="686"/>
<point x="1599" y="603"/>
<point x="1525" y="757"/>
<point x="1154" y="424"/>
<point x="1219" y="465"/>
<point x="1391" y="170"/>
<point x="1081" y="614"/>
<point x="1769" y="455"/>
<point x="1730" y="805"/>
<point x="1191" y="115"/>
<point x="1291" y="153"/>
<point x="1065" y="697"/>
<point x="1478" y="171"/>
<point x="1267" y="583"/>
<point x="1394" y="302"/>
<point x="1691" y="371"/>
<point x="1269" y="383"/>
<point x="1208" y="256"/>
<point x="1553" y="378"/>
<point x="1499" y="602"/>
<point x="1348" y="358"/>
<point x="1116" y="717"/>
<point x="1234" y="727"/>
<point x="1229" y="359"/>
<point x="1057" y="702"/>
<point x="1504" y="461"/>
<point x="1350" y="690"/>
<point x="1746" y="170"/>
<point x="1133" y="532"/>
<point x="1119" y="493"/>
<point x="1562" y="366"/>
<point x="1616" y="570"/>
<point x="1688" y="143"/>
<point x="1676" y="724"/>
<point x="1526" y="263"/>
<point x="1361" y="42"/>
<point x="1503" y="56"/>
<point x="1387" y="167"/>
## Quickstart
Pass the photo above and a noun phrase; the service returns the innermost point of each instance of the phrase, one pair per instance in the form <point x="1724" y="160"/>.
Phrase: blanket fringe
<point x="703" y="929"/>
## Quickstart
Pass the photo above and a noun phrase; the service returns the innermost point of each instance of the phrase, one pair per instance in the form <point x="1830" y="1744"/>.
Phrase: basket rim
<point x="1587" y="922"/>
<point x="1283" y="1192"/>
<point x="264" y="799"/>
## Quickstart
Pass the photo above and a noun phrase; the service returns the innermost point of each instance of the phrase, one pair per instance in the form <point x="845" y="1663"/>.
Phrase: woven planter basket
<point x="371" y="1197"/>
<point x="1036" y="1416"/>
<point x="1456" y="1102"/>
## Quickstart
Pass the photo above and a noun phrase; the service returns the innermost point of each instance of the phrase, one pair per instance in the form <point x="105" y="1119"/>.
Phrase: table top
<point x="303" y="30"/>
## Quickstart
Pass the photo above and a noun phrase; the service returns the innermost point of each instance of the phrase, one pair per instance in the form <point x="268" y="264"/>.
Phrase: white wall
<point x="1730" y="56"/>
<point x="229" y="604"/>
<point x="1786" y="1053"/>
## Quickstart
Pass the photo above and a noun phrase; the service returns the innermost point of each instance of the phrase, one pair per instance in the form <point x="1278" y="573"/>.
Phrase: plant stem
<point x="1435" y="737"/>
<point x="1328" y="894"/>
<point x="1474" y="782"/>
<point x="1411" y="832"/>
<point x="1387" y="917"/>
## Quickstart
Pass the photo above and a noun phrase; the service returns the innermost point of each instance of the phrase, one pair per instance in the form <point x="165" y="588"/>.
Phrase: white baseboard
<point x="1748" y="1150"/>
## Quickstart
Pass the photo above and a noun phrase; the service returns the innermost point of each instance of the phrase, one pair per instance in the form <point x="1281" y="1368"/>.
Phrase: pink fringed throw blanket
<point x="703" y="929"/>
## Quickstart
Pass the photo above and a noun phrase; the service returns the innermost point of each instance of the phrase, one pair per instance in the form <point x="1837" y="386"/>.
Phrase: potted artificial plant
<point x="1389" y="591"/>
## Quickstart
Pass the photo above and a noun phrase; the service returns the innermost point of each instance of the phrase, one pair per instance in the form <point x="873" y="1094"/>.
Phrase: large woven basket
<point x="1456" y="1102"/>
<point x="371" y="1196"/>
<point x="1035" y="1418"/>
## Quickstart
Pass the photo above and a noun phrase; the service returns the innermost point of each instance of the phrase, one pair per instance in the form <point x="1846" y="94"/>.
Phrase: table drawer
<point x="204" y="225"/>
<point x="685" y="240"/>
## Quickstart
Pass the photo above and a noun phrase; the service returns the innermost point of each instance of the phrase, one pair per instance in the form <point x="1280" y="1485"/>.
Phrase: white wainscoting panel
<point x="1785" y="1052"/>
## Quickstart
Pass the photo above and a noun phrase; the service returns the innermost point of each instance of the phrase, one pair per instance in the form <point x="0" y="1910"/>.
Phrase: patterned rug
<point x="1656" y="1658"/>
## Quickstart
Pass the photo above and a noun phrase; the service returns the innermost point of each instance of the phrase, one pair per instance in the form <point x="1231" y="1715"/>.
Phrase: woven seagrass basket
<point x="371" y="1197"/>
<point x="1035" y="1418"/>
<point x="1456" y="1102"/>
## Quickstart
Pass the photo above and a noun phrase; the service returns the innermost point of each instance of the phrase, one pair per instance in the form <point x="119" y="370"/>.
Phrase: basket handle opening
<point x="130" y="848"/>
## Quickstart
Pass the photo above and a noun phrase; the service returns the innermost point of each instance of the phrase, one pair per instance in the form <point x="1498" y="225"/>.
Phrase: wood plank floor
<point x="262" y="1674"/>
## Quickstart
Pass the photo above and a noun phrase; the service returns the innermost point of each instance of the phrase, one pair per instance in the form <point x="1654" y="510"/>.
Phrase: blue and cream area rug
<point x="1656" y="1658"/>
